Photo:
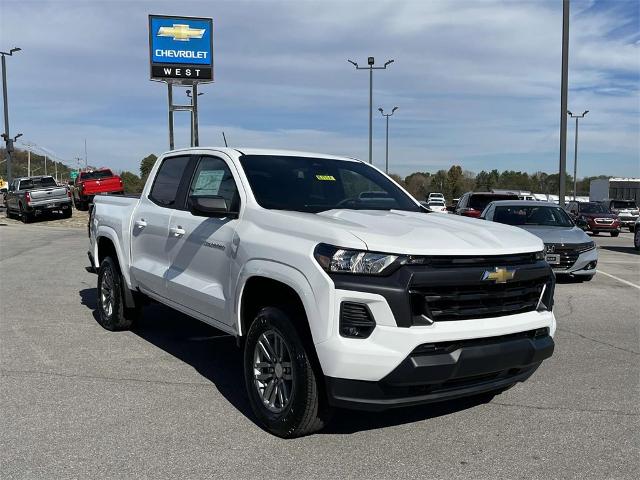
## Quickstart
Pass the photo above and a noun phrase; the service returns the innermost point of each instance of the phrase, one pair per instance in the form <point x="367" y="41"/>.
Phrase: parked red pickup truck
<point x="91" y="183"/>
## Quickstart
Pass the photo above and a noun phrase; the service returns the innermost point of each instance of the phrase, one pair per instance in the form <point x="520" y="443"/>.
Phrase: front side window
<point x="165" y="187"/>
<point x="315" y="185"/>
<point x="213" y="177"/>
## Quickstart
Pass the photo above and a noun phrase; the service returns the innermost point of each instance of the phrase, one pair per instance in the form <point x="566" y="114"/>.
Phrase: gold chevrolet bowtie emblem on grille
<point x="499" y="274"/>
<point x="181" y="33"/>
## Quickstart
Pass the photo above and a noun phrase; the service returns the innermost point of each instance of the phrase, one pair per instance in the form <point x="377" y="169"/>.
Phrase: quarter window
<point x="165" y="187"/>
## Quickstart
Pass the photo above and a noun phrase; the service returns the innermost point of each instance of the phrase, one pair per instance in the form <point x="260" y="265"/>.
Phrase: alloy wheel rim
<point x="272" y="371"/>
<point x="106" y="292"/>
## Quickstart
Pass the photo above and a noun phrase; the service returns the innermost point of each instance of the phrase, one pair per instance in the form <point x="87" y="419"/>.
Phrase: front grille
<point x="604" y="221"/>
<point x="474" y="261"/>
<point x="568" y="253"/>
<point x="463" y="302"/>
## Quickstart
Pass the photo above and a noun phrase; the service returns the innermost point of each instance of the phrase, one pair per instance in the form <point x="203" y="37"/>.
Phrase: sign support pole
<point x="194" y="113"/>
<point x="170" y="97"/>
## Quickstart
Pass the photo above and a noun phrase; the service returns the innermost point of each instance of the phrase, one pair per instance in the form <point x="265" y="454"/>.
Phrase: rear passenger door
<point x="150" y="238"/>
<point x="201" y="248"/>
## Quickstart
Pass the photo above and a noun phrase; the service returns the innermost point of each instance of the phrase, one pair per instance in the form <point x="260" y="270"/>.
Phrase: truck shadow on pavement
<point x="216" y="357"/>
<point x="629" y="249"/>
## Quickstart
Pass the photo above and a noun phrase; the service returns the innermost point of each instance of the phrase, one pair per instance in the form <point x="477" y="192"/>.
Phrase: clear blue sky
<point x="477" y="83"/>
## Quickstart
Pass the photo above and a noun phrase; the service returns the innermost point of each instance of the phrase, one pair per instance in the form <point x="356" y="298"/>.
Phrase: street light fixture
<point x="194" y="114"/>
<point x="387" y="115"/>
<point x="575" y="152"/>
<point x="7" y="138"/>
<point x="371" y="67"/>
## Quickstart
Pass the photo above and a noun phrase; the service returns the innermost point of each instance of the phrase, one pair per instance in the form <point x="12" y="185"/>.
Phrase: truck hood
<point x="416" y="233"/>
<point x="566" y="235"/>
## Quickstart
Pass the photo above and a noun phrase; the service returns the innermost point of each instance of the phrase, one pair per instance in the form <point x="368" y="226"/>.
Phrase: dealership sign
<point x="181" y="49"/>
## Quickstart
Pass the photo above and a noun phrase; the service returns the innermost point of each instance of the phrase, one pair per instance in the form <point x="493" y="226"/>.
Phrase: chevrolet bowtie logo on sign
<point x="181" y="49"/>
<point x="181" y="33"/>
<point x="499" y="274"/>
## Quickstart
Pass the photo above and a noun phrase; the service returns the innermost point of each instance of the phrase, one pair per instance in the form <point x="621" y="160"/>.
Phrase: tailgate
<point x="104" y="185"/>
<point x="53" y="193"/>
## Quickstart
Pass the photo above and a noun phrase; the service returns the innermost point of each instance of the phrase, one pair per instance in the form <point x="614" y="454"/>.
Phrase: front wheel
<point x="615" y="234"/>
<point x="283" y="388"/>
<point x="112" y="313"/>
<point x="636" y="239"/>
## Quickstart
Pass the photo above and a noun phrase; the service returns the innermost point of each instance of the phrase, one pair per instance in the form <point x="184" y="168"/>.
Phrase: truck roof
<point x="265" y="151"/>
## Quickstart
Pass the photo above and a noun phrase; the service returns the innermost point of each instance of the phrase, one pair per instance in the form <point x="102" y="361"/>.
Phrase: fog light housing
<point x="591" y="265"/>
<point x="356" y="320"/>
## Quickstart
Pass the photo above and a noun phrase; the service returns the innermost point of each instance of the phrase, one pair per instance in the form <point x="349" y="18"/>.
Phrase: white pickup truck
<point x="339" y="297"/>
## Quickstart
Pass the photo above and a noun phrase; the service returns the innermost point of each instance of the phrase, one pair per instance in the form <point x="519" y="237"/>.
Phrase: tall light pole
<point x="564" y="85"/>
<point x="7" y="138"/>
<point x="386" y="157"/>
<point x="575" y="151"/>
<point x="371" y="62"/>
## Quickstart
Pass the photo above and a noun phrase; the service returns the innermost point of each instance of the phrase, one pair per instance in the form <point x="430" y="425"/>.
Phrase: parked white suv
<point x="340" y="297"/>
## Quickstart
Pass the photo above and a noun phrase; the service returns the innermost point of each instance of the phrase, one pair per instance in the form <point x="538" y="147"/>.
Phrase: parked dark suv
<point x="597" y="216"/>
<point x="471" y="204"/>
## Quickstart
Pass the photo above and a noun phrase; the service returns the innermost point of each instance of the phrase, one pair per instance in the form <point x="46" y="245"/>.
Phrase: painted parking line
<point x="620" y="279"/>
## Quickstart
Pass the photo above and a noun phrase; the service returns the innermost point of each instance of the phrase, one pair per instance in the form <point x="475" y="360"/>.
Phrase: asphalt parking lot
<point x="167" y="399"/>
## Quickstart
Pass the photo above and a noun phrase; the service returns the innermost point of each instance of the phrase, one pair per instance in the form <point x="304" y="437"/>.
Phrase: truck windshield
<point x="37" y="182"/>
<point x="313" y="185"/>
<point x="95" y="175"/>
<point x="532" y="215"/>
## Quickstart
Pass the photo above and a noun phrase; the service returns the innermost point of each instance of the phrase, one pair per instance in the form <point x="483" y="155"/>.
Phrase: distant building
<point x="615" y="188"/>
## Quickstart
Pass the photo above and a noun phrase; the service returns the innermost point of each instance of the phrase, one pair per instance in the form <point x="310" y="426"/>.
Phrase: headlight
<point x="339" y="260"/>
<point x="540" y="254"/>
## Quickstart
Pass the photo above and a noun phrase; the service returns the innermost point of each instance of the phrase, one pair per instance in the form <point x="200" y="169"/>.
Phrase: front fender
<point x="293" y="278"/>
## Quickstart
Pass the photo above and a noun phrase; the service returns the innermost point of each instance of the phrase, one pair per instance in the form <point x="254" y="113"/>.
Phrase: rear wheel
<point x="67" y="213"/>
<point x="24" y="215"/>
<point x="283" y="388"/>
<point x="615" y="234"/>
<point x="636" y="239"/>
<point x="112" y="313"/>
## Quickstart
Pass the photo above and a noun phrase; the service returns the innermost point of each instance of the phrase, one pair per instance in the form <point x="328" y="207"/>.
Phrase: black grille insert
<point x="356" y="320"/>
<point x="568" y="253"/>
<point x="478" y="300"/>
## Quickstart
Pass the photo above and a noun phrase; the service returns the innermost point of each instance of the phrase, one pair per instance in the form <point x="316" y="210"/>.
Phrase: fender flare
<point x="110" y="233"/>
<point x="289" y="276"/>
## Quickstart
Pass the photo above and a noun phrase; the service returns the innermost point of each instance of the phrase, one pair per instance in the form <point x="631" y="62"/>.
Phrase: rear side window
<point x="165" y="187"/>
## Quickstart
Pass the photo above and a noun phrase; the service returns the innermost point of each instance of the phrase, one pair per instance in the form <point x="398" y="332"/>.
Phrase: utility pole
<point x="563" y="102"/>
<point x="86" y="162"/>
<point x="28" y="162"/>
<point x="7" y="138"/>
<point x="371" y="62"/>
<point x="386" y="157"/>
<point x="575" y="152"/>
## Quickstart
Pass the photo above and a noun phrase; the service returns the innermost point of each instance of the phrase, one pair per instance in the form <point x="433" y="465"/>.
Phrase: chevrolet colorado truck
<point x="90" y="183"/>
<point x="337" y="299"/>
<point x="28" y="197"/>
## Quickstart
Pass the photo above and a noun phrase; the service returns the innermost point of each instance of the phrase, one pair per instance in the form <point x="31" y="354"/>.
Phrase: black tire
<point x="67" y="213"/>
<point x="615" y="234"/>
<point x="80" y="205"/>
<point x="112" y="313"/>
<point x="636" y="239"/>
<point x="306" y="410"/>
<point x="25" y="216"/>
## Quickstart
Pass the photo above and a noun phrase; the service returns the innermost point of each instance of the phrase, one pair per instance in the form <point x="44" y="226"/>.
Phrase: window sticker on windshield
<point x="326" y="178"/>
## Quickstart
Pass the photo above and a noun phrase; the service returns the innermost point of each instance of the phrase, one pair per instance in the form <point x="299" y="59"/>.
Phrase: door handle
<point x="141" y="223"/>
<point x="177" y="231"/>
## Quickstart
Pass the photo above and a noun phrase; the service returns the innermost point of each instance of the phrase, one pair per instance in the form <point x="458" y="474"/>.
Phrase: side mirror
<point x="581" y="223"/>
<point x="210" y="206"/>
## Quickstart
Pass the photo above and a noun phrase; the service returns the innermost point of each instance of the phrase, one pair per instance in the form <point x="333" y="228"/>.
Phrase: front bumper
<point x="584" y="265"/>
<point x="443" y="371"/>
<point x="627" y="221"/>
